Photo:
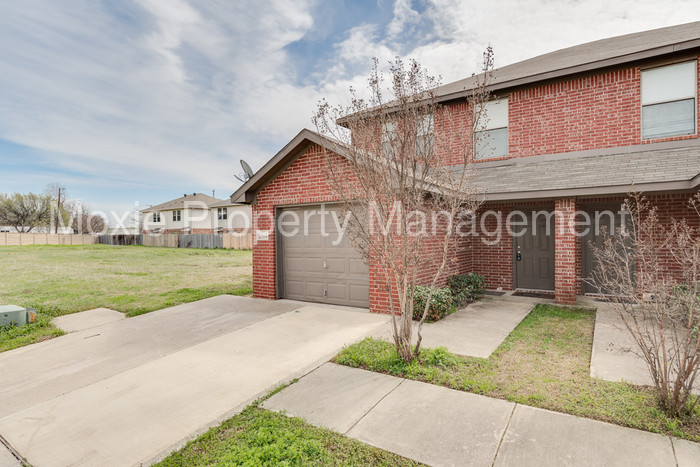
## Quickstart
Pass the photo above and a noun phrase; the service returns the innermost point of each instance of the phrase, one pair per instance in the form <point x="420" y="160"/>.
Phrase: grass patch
<point x="545" y="362"/>
<point x="58" y="280"/>
<point x="258" y="437"/>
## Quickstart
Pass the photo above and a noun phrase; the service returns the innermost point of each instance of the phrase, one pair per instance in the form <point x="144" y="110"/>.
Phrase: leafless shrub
<point x="651" y="271"/>
<point x="397" y="181"/>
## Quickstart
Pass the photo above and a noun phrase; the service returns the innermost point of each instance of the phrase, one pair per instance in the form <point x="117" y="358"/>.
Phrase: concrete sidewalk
<point x="474" y="331"/>
<point x="615" y="355"/>
<point x="444" y="427"/>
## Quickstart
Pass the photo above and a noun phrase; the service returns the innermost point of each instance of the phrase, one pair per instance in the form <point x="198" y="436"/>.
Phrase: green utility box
<point x="16" y="315"/>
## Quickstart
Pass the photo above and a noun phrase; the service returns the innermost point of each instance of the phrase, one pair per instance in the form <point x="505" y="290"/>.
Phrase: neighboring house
<point x="196" y="213"/>
<point x="574" y="129"/>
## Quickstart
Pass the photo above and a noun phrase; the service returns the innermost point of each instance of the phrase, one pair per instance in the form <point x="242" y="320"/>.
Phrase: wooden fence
<point x="227" y="240"/>
<point x="238" y="241"/>
<point x="21" y="239"/>
<point x="121" y="239"/>
<point x="162" y="240"/>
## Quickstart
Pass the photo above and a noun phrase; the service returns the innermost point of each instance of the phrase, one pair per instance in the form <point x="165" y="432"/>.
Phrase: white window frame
<point x="491" y="126"/>
<point x="156" y="217"/>
<point x="425" y="133"/>
<point x="644" y="104"/>
<point x="177" y="215"/>
<point x="222" y="213"/>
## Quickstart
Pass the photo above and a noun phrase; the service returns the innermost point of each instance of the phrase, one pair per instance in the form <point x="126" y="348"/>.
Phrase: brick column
<point x="565" y="252"/>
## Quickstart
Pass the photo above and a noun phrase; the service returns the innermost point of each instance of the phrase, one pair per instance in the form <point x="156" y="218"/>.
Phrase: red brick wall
<point x="566" y="255"/>
<point x="492" y="255"/>
<point x="591" y="112"/>
<point x="495" y="261"/>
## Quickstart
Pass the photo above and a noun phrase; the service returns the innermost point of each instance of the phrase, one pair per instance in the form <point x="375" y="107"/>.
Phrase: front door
<point x="534" y="250"/>
<point x="605" y="221"/>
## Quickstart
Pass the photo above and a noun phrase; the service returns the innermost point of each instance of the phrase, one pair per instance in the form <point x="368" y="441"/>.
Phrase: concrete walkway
<point x="132" y="390"/>
<point x="444" y="427"/>
<point x="615" y="354"/>
<point x="477" y="330"/>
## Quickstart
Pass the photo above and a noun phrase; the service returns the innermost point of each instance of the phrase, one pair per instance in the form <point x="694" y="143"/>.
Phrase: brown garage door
<point x="312" y="268"/>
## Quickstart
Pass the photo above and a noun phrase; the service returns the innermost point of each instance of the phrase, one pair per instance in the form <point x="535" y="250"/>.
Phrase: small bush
<point x="440" y="303"/>
<point x="466" y="288"/>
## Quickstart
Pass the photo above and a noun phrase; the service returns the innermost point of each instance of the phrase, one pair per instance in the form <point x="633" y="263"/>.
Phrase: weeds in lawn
<point x="258" y="437"/>
<point x="545" y="362"/>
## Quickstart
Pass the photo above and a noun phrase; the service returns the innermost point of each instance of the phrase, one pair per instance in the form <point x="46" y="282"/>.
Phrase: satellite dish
<point x="247" y="172"/>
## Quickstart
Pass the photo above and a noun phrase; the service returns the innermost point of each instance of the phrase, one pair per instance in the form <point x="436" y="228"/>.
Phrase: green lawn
<point x="256" y="437"/>
<point x="58" y="280"/>
<point x="545" y="362"/>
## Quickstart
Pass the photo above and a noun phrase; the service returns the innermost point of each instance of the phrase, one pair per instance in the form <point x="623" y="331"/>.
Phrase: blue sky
<point x="130" y="102"/>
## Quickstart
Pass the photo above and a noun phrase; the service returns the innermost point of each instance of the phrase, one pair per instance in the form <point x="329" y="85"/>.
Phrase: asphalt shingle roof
<point x="179" y="203"/>
<point x="577" y="171"/>
<point x="591" y="53"/>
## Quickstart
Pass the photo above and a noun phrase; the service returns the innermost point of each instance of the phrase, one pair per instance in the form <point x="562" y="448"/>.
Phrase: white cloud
<point x="173" y="92"/>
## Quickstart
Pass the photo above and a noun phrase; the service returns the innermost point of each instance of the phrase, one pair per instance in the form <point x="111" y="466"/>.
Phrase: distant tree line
<point x="29" y="212"/>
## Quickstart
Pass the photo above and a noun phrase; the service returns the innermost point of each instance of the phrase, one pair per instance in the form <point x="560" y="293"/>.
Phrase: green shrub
<point x="440" y="303"/>
<point x="466" y="288"/>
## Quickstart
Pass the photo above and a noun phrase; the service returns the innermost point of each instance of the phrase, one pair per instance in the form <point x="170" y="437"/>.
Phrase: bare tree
<point x="25" y="212"/>
<point x="406" y="181"/>
<point x="83" y="220"/>
<point x="651" y="271"/>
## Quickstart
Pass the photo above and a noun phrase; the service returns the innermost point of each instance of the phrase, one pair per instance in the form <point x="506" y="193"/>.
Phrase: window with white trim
<point x="424" y="135"/>
<point x="156" y="217"/>
<point x="491" y="130"/>
<point x="222" y="213"/>
<point x="669" y="100"/>
<point x="177" y="216"/>
<point x="389" y="137"/>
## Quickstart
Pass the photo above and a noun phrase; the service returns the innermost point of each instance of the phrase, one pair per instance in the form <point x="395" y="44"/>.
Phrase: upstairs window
<point x="389" y="138"/>
<point x="668" y="100"/>
<point x="177" y="216"/>
<point x="424" y="136"/>
<point x="222" y="213"/>
<point x="491" y="130"/>
<point x="156" y="217"/>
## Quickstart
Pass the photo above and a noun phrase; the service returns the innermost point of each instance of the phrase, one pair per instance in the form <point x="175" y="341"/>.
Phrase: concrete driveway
<point x="129" y="391"/>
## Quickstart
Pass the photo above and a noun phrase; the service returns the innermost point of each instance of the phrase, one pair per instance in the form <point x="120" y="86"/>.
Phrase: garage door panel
<point x="337" y="266"/>
<point x="294" y="288"/>
<point x="357" y="266"/>
<point x="314" y="265"/>
<point x="337" y="291"/>
<point x="359" y="292"/>
<point x="315" y="269"/>
<point x="293" y="265"/>
<point x="314" y="290"/>
<point x="313" y="241"/>
<point x="293" y="243"/>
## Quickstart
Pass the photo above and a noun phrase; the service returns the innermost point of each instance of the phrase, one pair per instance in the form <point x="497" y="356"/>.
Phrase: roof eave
<point x="583" y="68"/>
<point x="246" y="194"/>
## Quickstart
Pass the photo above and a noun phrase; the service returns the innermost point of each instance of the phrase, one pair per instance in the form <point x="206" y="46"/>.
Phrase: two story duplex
<point x="196" y="213"/>
<point x="572" y="131"/>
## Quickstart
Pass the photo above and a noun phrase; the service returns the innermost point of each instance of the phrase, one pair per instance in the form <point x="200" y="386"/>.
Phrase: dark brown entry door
<point x="605" y="220"/>
<point x="534" y="251"/>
